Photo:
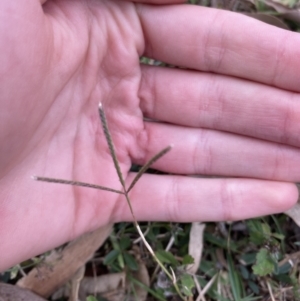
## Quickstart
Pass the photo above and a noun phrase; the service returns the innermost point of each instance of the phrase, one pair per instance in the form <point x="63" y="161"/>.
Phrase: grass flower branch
<point x="125" y="191"/>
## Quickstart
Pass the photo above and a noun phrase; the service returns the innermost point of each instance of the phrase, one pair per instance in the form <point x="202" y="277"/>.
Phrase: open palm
<point x="231" y="111"/>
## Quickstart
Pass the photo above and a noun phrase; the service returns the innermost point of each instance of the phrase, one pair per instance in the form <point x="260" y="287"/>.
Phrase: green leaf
<point x="244" y="272"/>
<point x="166" y="257"/>
<point x="278" y="236"/>
<point x="220" y="242"/>
<point x="222" y="298"/>
<point x="187" y="284"/>
<point x="158" y="293"/>
<point x="124" y="243"/>
<point x="254" y="287"/>
<point x="130" y="261"/>
<point x="14" y="272"/>
<point x="284" y="269"/>
<point x="266" y="229"/>
<point x="250" y="298"/>
<point x="256" y="232"/>
<point x="248" y="258"/>
<point x="264" y="264"/>
<point x="187" y="259"/>
<point x="91" y="298"/>
<point x="234" y="279"/>
<point x="111" y="257"/>
<point x="208" y="268"/>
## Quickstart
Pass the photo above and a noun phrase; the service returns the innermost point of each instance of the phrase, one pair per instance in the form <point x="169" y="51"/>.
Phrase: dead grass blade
<point x="196" y="246"/>
<point x="206" y="288"/>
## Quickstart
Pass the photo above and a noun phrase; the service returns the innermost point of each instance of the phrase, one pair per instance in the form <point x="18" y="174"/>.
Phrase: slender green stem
<point x="171" y="276"/>
<point x="140" y="173"/>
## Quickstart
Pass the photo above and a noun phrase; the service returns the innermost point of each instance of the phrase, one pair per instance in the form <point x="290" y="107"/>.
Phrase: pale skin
<point x="236" y="115"/>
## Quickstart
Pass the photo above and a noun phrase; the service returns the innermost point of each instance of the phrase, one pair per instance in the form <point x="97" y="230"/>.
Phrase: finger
<point x="158" y="1"/>
<point x="223" y="42"/>
<point x="183" y="199"/>
<point x="219" y="102"/>
<point x="207" y="152"/>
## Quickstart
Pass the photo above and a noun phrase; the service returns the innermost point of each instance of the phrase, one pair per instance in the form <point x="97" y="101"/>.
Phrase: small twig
<point x="208" y="286"/>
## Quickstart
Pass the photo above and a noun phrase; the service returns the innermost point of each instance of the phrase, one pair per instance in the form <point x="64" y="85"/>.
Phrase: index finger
<point x="222" y="42"/>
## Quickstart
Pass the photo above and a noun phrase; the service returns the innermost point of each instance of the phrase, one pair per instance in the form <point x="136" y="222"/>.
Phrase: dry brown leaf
<point x="59" y="268"/>
<point x="113" y="284"/>
<point x="141" y="276"/>
<point x="294" y="213"/>
<point x="285" y="12"/>
<point x="10" y="292"/>
<point x="221" y="259"/>
<point x="288" y="13"/>
<point x="196" y="246"/>
<point x="293" y="15"/>
<point x="293" y="259"/>
<point x="116" y="287"/>
<point x="75" y="284"/>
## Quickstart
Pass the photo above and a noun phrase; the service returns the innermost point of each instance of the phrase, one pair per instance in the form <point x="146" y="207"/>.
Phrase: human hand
<point x="235" y="115"/>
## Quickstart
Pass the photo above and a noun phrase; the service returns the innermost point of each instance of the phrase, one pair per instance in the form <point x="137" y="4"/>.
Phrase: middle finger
<point x="209" y="152"/>
<point x="219" y="102"/>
